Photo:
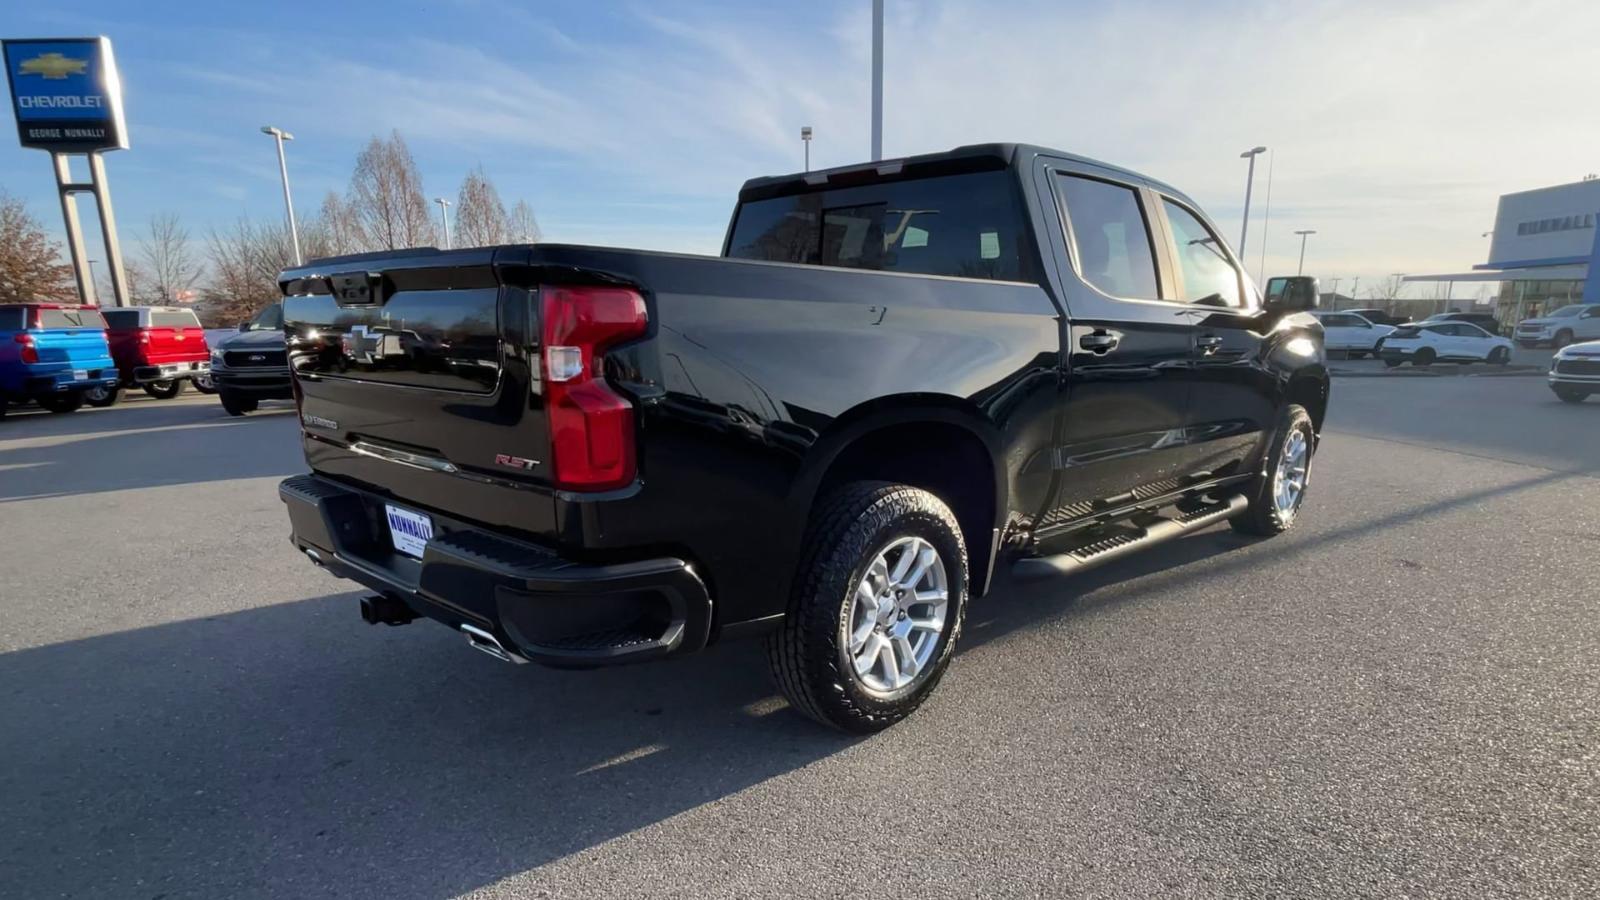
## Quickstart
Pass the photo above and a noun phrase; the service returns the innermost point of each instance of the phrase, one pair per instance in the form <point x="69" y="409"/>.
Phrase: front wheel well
<point x="946" y="460"/>
<point x="1310" y="392"/>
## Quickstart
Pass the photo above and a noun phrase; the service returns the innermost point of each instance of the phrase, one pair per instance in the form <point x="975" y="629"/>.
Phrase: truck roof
<point x="966" y="158"/>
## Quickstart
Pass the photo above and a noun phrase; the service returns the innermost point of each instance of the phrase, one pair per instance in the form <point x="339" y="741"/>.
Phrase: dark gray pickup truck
<point x="898" y="378"/>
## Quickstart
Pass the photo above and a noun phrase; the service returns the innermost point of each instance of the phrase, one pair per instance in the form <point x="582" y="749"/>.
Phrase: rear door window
<point x="1111" y="237"/>
<point x="969" y="225"/>
<point x="71" y="318"/>
<point x="1204" y="269"/>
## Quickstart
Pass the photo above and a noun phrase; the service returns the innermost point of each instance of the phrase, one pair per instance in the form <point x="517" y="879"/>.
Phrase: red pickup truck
<point x="158" y="348"/>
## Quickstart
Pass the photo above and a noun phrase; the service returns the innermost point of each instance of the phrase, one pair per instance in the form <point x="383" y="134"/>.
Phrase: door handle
<point x="1208" y="344"/>
<point x="1100" y="342"/>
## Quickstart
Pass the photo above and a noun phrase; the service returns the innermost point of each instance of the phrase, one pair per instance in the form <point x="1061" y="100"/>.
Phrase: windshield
<point x="269" y="319"/>
<point x="1567" y="312"/>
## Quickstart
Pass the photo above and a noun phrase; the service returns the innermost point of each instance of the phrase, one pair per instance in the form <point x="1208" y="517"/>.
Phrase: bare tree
<point x="341" y="230"/>
<point x="522" y="227"/>
<point x="480" y="216"/>
<point x="245" y="261"/>
<point x="1391" y="288"/>
<point x="170" y="267"/>
<point x="386" y="197"/>
<point x="30" y="263"/>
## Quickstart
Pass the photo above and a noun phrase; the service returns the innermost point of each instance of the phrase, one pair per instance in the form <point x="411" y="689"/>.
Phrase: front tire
<point x="63" y="403"/>
<point x="102" y="397"/>
<point x="1563" y="338"/>
<point x="876" y="608"/>
<point x="1499" y="356"/>
<point x="236" y="405"/>
<point x="1568" y="395"/>
<point x="1280" y="487"/>
<point x="204" y="384"/>
<point x="165" y="390"/>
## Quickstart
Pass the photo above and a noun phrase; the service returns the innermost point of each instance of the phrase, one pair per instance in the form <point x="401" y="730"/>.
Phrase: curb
<point x="1443" y="370"/>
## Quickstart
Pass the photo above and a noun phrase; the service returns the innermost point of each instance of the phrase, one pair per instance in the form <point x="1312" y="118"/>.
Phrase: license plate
<point x="409" y="531"/>
<point x="80" y="374"/>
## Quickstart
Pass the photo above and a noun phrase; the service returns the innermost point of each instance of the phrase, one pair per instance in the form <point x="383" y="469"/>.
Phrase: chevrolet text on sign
<point x="66" y="94"/>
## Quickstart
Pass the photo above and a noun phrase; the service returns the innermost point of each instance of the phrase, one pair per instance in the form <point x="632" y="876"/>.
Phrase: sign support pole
<point x="108" y="225"/>
<point x="69" y="213"/>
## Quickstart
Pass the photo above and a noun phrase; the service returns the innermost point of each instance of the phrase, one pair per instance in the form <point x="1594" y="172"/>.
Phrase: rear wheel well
<point x="944" y="459"/>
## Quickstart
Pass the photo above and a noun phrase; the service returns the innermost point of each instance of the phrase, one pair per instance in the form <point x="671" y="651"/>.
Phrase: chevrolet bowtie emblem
<point x="53" y="66"/>
<point x="360" y="344"/>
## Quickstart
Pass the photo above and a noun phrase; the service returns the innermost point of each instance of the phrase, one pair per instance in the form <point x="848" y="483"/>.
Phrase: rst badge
<point x="514" y="462"/>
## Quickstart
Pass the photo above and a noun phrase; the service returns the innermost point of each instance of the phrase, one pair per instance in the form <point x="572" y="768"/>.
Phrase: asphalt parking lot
<point x="1397" y="698"/>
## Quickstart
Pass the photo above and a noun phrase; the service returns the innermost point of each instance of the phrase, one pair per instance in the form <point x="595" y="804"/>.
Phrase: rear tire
<point x="1423" y="357"/>
<point x="1267" y="515"/>
<point x="1499" y="356"/>
<point x="847" y="570"/>
<point x="204" y="384"/>
<point x="1392" y="361"/>
<point x="165" y="390"/>
<point x="237" y="405"/>
<point x="63" y="403"/>
<point x="1568" y="395"/>
<point x="1563" y="338"/>
<point x="102" y="397"/>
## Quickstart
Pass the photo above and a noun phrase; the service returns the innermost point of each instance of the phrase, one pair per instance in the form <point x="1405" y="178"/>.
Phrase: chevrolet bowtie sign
<point x="66" y="94"/>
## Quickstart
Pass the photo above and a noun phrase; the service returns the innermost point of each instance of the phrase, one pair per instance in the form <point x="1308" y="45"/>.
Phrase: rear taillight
<point x="591" y="427"/>
<point x="144" y="335"/>
<point x="29" y="352"/>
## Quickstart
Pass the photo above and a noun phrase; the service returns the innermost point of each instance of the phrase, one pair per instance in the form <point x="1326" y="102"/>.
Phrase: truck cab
<point x="158" y="348"/>
<point x="53" y="353"/>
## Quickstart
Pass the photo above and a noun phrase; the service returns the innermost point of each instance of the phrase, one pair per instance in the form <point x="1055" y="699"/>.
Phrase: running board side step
<point x="1119" y="545"/>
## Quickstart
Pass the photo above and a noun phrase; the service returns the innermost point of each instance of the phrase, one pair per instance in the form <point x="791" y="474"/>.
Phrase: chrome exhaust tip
<point x="488" y="643"/>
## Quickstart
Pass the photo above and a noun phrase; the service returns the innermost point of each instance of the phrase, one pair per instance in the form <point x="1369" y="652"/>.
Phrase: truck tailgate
<point x="427" y="392"/>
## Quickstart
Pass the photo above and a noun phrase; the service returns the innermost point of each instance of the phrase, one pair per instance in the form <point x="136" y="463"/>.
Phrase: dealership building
<point x="1544" y="245"/>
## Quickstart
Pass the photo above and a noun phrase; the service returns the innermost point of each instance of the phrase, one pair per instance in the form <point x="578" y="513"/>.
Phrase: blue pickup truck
<point x="52" y="353"/>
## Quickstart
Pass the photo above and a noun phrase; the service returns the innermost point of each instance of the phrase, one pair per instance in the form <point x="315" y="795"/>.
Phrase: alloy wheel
<point x="1289" y="482"/>
<point x="897" y="614"/>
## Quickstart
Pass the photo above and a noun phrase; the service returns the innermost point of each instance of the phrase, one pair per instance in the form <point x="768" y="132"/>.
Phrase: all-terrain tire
<point x="1263" y="518"/>
<point x="809" y="654"/>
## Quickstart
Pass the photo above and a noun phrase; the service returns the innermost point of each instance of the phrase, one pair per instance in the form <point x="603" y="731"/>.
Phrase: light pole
<point x="94" y="280"/>
<point x="877" y="80"/>
<point x="805" y="138"/>
<point x="1399" y="284"/>
<point x="444" y="216"/>
<point x="279" y="136"/>
<point x="1300" y="270"/>
<point x="1249" y="182"/>
<point x="1335" y="289"/>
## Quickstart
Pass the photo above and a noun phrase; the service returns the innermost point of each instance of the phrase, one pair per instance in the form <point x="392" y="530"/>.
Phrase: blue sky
<point x="1393" y="125"/>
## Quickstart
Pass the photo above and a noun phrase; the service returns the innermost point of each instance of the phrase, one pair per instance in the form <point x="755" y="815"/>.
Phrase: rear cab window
<point x="121" y="319"/>
<point x="71" y="318"/>
<point x="12" y="319"/>
<point x="969" y="225"/>
<point x="175" y="318"/>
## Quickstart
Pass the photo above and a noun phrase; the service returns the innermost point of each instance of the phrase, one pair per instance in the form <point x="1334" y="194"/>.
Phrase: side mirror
<point x="245" y="325"/>
<point x="1292" y="293"/>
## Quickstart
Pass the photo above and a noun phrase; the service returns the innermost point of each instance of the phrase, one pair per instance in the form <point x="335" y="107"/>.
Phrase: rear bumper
<point x="169" y="371"/>
<point x="67" y="380"/>
<point x="535" y="603"/>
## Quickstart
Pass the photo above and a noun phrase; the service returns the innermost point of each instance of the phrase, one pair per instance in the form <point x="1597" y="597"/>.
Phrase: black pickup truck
<point x="898" y="378"/>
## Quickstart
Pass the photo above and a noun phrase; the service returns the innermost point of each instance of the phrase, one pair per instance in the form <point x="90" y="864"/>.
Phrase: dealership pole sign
<point x="66" y="94"/>
<point x="67" y="98"/>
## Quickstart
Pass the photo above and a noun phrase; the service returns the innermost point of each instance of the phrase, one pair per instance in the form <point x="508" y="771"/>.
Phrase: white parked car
<point x="1567" y="325"/>
<point x="1575" y="371"/>
<point x="1351" y="333"/>
<point x="1423" y="345"/>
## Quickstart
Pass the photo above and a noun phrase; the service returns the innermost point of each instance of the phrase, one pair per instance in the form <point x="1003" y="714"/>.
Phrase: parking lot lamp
<point x="279" y="136"/>
<point x="1301" y="269"/>
<point x="1249" y="182"/>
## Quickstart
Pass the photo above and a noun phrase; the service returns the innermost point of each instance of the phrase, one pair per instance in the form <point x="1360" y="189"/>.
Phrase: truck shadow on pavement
<point x="290" y="750"/>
